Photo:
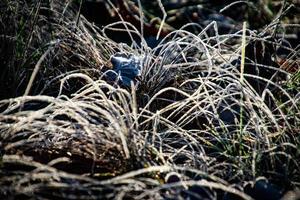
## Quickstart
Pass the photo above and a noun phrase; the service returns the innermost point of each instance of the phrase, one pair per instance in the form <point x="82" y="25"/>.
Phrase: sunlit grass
<point x="194" y="112"/>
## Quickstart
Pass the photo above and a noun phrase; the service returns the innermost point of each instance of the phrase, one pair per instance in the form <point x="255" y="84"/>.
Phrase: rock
<point x="262" y="189"/>
<point x="125" y="69"/>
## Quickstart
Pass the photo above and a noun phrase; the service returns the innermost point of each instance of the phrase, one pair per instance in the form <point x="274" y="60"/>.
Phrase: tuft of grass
<point x="207" y="117"/>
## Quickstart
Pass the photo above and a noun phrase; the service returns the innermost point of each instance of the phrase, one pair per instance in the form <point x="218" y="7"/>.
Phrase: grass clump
<point x="202" y="121"/>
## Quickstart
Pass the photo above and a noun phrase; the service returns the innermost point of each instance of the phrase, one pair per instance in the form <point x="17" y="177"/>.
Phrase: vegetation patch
<point x="156" y="100"/>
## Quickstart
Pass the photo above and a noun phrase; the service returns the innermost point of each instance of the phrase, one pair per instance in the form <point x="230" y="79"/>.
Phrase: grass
<point x="207" y="117"/>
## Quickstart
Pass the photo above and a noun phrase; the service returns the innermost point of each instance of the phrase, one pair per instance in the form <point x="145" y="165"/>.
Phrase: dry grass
<point x="74" y="134"/>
